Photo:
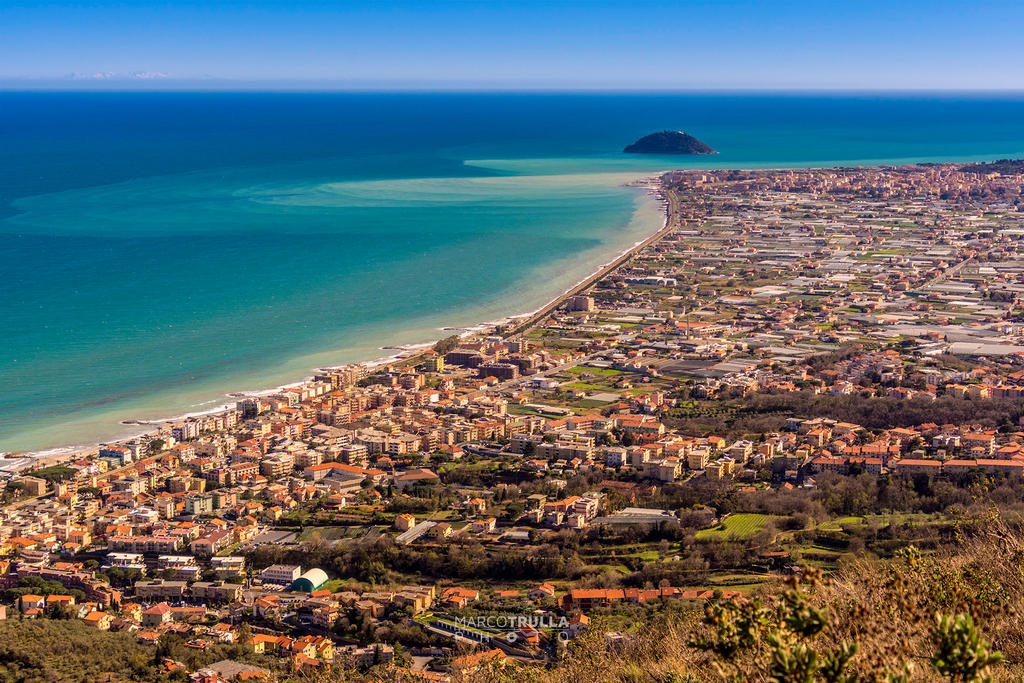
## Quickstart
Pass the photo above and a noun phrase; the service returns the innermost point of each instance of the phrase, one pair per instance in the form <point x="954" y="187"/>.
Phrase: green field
<point x="597" y="372"/>
<point x="514" y="409"/>
<point x="336" y="585"/>
<point x="738" y="527"/>
<point x="588" y="386"/>
<point x="883" y="520"/>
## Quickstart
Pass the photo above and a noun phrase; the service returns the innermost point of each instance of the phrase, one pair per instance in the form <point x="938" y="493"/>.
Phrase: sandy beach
<point x="135" y="428"/>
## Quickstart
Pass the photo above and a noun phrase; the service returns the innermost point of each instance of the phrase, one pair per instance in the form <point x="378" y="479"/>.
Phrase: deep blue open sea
<point x="161" y="249"/>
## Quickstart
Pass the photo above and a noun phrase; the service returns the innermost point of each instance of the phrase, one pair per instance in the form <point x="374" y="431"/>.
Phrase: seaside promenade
<point x="525" y="325"/>
<point x="671" y="222"/>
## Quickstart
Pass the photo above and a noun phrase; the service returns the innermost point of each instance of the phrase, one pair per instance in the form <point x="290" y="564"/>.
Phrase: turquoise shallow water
<point x="254" y="286"/>
<point x="160" y="250"/>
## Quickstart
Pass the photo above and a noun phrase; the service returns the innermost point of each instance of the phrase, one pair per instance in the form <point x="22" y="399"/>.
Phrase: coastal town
<point x="737" y="397"/>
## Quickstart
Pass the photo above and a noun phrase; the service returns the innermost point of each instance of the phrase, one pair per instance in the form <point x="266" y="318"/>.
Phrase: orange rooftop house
<point x="414" y="477"/>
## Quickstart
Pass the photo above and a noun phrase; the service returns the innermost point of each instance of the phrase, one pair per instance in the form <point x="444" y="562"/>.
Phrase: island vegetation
<point x="668" y="142"/>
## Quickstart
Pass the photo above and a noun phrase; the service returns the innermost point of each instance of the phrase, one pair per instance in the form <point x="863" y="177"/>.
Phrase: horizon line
<point x="195" y="86"/>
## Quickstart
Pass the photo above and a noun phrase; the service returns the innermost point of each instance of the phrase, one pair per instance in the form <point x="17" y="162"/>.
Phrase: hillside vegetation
<point x="67" y="650"/>
<point x="948" y="616"/>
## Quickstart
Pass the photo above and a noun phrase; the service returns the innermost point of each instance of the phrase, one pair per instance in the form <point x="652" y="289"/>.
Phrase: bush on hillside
<point x="948" y="616"/>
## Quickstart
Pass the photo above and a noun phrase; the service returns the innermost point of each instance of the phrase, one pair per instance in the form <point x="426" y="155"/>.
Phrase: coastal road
<point x="671" y="223"/>
<point x="949" y="272"/>
<point x="954" y="270"/>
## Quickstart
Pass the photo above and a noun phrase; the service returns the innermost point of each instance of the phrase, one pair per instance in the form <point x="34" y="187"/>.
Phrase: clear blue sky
<point x="504" y="44"/>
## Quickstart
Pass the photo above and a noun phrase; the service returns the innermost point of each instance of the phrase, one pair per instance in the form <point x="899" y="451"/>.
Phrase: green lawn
<point x="335" y="585"/>
<point x="522" y="410"/>
<point x="739" y="527"/>
<point x="588" y="386"/>
<point x="597" y="372"/>
<point x="587" y="404"/>
<point x="646" y="555"/>
<point x="445" y="515"/>
<point x="621" y="568"/>
<point x="839" y="522"/>
<point x="883" y="519"/>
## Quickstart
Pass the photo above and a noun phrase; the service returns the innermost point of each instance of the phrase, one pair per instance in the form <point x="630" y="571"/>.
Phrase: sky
<point x="519" y="44"/>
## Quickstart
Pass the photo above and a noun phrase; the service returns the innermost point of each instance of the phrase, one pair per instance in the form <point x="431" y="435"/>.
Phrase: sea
<point x="160" y="251"/>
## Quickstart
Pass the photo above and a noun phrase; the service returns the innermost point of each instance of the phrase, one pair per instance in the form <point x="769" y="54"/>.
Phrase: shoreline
<point x="650" y="185"/>
<point x="654" y="189"/>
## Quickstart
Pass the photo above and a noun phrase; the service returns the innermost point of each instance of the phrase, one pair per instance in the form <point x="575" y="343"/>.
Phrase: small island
<point x="668" y="142"/>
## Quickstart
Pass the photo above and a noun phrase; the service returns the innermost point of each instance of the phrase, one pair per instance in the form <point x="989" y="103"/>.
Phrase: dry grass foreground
<point x="950" y="616"/>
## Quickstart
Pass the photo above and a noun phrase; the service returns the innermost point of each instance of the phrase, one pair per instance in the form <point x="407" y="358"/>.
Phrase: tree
<point x="244" y="635"/>
<point x="447" y="344"/>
